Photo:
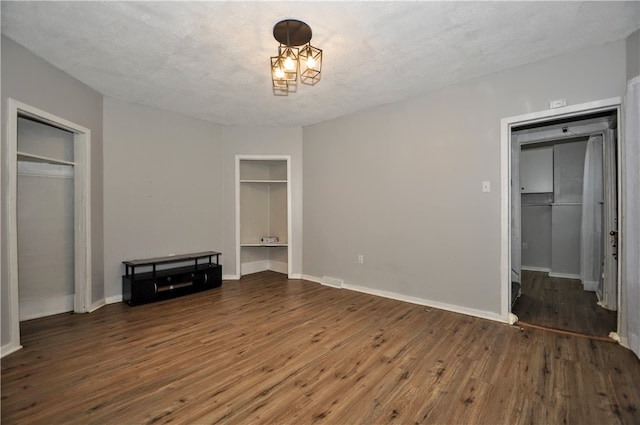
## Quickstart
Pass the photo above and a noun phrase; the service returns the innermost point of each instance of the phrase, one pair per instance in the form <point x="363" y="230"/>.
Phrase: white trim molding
<point x="313" y="279"/>
<point x="536" y="269"/>
<point x="98" y="304"/>
<point x="250" y="267"/>
<point x="565" y="275"/>
<point x="410" y="299"/>
<point x="82" y="211"/>
<point x="254" y="267"/>
<point x="264" y="265"/>
<point x="113" y="300"/>
<point x="34" y="308"/>
<point x="506" y="124"/>
<point x="42" y="169"/>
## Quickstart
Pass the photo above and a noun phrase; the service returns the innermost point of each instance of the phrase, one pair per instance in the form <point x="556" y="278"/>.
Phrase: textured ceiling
<point x="210" y="60"/>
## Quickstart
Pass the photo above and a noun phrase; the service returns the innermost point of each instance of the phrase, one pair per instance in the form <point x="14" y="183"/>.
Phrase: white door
<point x="608" y="290"/>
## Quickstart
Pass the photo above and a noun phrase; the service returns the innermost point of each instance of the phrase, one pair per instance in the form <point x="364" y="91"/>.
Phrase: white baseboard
<point x="295" y="276"/>
<point x="535" y="269"/>
<point x="113" y="300"/>
<point x="9" y="348"/>
<point x="312" y="278"/>
<point x="96" y="305"/>
<point x="590" y="286"/>
<point x="415" y="300"/>
<point x="278" y="266"/>
<point x="254" y="267"/>
<point x="230" y="277"/>
<point x="332" y="282"/>
<point x="264" y="265"/>
<point x="34" y="308"/>
<point x="564" y="275"/>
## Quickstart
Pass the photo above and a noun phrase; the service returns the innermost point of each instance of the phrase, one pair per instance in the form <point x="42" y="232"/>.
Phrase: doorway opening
<point x="263" y="214"/>
<point x="44" y="203"/>
<point x="80" y="162"/>
<point x="562" y="269"/>
<point x="567" y="204"/>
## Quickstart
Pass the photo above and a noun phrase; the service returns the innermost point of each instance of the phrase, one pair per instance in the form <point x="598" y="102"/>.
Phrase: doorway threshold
<point x="565" y="332"/>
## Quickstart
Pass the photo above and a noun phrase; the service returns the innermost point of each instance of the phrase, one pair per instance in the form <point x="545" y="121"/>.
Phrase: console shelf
<point x="154" y="284"/>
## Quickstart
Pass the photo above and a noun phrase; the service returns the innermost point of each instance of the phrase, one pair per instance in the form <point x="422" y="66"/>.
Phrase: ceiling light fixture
<point x="293" y="60"/>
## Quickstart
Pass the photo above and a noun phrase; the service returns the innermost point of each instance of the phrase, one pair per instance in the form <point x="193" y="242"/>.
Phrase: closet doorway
<point x="45" y="219"/>
<point x="62" y="160"/>
<point x="263" y="214"/>
<point x="564" y="219"/>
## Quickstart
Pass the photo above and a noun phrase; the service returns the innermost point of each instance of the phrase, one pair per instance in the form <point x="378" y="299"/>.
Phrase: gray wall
<point x="401" y="184"/>
<point x="163" y="186"/>
<point x="31" y="80"/>
<point x="633" y="55"/>
<point x="568" y="171"/>
<point x="536" y="233"/>
<point x="566" y="216"/>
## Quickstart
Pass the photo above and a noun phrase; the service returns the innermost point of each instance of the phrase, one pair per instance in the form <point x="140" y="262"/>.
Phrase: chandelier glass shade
<point x="292" y="59"/>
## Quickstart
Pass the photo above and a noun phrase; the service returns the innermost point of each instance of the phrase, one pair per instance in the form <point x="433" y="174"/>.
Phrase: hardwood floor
<point x="562" y="304"/>
<point x="270" y="350"/>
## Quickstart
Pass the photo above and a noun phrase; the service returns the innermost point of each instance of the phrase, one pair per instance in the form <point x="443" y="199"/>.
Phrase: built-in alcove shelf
<point x="263" y="202"/>
<point x="263" y="181"/>
<point x="267" y="245"/>
<point x="28" y="157"/>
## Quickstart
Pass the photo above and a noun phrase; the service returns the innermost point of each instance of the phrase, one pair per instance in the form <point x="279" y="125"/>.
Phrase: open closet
<point x="45" y="219"/>
<point x="263" y="216"/>
<point x="564" y="223"/>
<point x="551" y="206"/>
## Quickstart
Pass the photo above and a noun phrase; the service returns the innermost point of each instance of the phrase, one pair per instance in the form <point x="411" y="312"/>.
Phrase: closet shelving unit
<point x="264" y="205"/>
<point x="28" y="157"/>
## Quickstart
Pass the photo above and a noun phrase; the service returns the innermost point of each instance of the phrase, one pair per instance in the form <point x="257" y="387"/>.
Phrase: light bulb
<point x="311" y="62"/>
<point x="289" y="65"/>
<point x="279" y="73"/>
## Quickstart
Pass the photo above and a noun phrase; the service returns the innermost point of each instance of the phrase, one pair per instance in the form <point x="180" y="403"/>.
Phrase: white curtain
<point x="630" y="243"/>
<point x="591" y="230"/>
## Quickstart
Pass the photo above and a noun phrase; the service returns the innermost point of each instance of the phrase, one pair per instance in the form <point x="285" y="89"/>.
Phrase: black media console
<point x="139" y="288"/>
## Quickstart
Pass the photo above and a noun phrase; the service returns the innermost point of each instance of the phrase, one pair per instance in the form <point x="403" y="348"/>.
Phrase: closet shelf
<point x="260" y="244"/>
<point x="263" y="181"/>
<point x="28" y="157"/>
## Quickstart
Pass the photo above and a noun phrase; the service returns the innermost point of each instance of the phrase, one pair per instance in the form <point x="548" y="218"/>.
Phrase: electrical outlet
<point x="360" y="259"/>
<point x="558" y="103"/>
<point x="525" y="245"/>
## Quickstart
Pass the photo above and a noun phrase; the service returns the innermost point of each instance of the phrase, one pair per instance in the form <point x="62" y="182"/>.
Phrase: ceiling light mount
<point x="293" y="60"/>
<point x="292" y="32"/>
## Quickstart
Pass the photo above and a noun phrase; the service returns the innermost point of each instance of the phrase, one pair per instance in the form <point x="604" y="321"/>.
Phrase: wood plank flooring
<point x="562" y="304"/>
<point x="276" y="351"/>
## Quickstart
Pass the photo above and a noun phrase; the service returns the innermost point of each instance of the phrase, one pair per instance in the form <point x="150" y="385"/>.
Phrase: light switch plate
<point x="486" y="186"/>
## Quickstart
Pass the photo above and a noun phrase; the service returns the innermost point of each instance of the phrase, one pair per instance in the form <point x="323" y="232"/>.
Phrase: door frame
<point x="290" y="238"/>
<point x="82" y="212"/>
<point x="506" y="124"/>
